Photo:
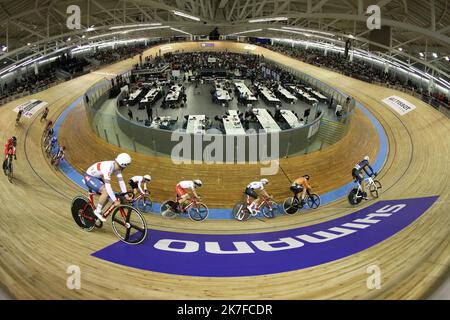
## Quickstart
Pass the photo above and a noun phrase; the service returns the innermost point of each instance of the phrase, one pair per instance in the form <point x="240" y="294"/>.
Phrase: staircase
<point x="331" y="131"/>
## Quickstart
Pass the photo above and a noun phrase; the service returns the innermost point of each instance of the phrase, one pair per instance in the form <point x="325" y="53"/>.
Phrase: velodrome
<point x="39" y="239"/>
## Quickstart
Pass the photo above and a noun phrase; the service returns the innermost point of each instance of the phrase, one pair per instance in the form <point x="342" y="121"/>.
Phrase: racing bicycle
<point x="356" y="195"/>
<point x="9" y="168"/>
<point x="196" y="210"/>
<point x="128" y="223"/>
<point x="293" y="204"/>
<point x="143" y="203"/>
<point x="267" y="207"/>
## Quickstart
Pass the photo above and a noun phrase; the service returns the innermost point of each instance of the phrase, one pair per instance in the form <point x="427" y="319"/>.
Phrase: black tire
<point x="269" y="211"/>
<point x="313" y="201"/>
<point x="168" y="209"/>
<point x="85" y="219"/>
<point x="240" y="212"/>
<point x="198" y="213"/>
<point x="374" y="188"/>
<point x="130" y="227"/>
<point x="145" y="204"/>
<point x="352" y="199"/>
<point x="290" y="206"/>
<point x="10" y="170"/>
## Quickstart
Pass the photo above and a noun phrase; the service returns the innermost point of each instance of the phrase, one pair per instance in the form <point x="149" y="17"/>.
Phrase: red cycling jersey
<point x="9" y="149"/>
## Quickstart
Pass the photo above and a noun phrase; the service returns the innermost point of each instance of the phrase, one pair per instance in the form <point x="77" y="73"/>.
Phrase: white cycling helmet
<point x="123" y="160"/>
<point x="264" y="181"/>
<point x="147" y="177"/>
<point x="366" y="158"/>
<point x="198" y="183"/>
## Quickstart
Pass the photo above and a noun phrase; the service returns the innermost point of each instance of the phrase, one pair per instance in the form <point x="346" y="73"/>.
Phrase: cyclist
<point x="250" y="191"/>
<point x="45" y="114"/>
<point x="358" y="175"/>
<point x="98" y="179"/>
<point x="51" y="144"/>
<point x="136" y="183"/>
<point x="19" y="115"/>
<point x="9" y="149"/>
<point x="301" y="185"/>
<point x="182" y="188"/>
<point x="59" y="155"/>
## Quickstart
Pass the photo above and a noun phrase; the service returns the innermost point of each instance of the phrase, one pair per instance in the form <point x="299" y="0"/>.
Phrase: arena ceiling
<point x="420" y="29"/>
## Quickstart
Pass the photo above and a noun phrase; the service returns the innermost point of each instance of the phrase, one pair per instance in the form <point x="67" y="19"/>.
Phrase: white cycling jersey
<point x="256" y="185"/>
<point x="187" y="184"/>
<point x="139" y="180"/>
<point x="104" y="170"/>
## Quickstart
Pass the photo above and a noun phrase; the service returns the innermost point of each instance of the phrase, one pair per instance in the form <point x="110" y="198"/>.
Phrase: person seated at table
<point x="338" y="111"/>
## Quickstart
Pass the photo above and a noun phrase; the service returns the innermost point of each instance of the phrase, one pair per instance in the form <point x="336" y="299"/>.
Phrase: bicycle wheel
<point x="269" y="210"/>
<point x="313" y="201"/>
<point x="10" y="171"/>
<point x="199" y="212"/>
<point x="168" y="209"/>
<point x="144" y="204"/>
<point x="240" y="212"/>
<point x="290" y="206"/>
<point x="374" y="188"/>
<point x="129" y="224"/>
<point x="352" y="198"/>
<point x="83" y="213"/>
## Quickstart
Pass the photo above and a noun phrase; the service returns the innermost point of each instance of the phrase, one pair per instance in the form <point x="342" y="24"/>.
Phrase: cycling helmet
<point x="123" y="160"/>
<point x="198" y="183"/>
<point x="264" y="181"/>
<point x="14" y="138"/>
<point x="366" y="158"/>
<point x="147" y="177"/>
<point x="306" y="176"/>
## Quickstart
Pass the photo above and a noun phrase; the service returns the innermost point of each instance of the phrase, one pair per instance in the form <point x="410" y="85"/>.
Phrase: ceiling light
<point x="178" y="30"/>
<point x="421" y="54"/>
<point x="435" y="55"/>
<point x="400" y="49"/>
<point x="309" y="30"/>
<point x="248" y="31"/>
<point x="135" y="25"/>
<point x="447" y="58"/>
<point x="184" y="15"/>
<point x="268" y="19"/>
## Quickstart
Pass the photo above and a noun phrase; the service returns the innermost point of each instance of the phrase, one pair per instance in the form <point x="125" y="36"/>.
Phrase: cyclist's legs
<point x="253" y="199"/>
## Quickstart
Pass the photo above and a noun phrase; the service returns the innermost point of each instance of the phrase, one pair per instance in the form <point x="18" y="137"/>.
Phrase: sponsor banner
<point x="207" y="45"/>
<point x="400" y="105"/>
<point x="211" y="59"/>
<point x="313" y="129"/>
<point x="268" y="253"/>
<point x="30" y="108"/>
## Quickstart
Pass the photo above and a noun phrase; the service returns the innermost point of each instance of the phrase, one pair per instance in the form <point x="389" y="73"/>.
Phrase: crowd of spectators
<point x="120" y="53"/>
<point x="71" y="65"/>
<point x="358" y="69"/>
<point x="203" y="61"/>
<point x="29" y="83"/>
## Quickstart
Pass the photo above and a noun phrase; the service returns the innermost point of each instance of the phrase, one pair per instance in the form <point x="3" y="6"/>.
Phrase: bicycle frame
<point x="192" y="201"/>
<point x="369" y="182"/>
<point x="107" y="212"/>
<point x="265" y="201"/>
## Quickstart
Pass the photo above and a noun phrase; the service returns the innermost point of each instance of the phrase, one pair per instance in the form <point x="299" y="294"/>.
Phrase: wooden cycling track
<point x="39" y="240"/>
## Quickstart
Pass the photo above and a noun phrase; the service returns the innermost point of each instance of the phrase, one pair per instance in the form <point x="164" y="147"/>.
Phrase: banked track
<point x="38" y="239"/>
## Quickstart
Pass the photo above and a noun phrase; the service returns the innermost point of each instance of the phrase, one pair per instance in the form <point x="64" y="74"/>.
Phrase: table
<point x="290" y="118"/>
<point x="270" y="97"/>
<point x="196" y="124"/>
<point x="319" y="95"/>
<point x="174" y="93"/>
<point x="304" y="94"/>
<point x="243" y="89"/>
<point x="151" y="95"/>
<point x="266" y="121"/>
<point x="223" y="95"/>
<point x="134" y="95"/>
<point x="232" y="124"/>
<point x="287" y="94"/>
<point x="162" y="122"/>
